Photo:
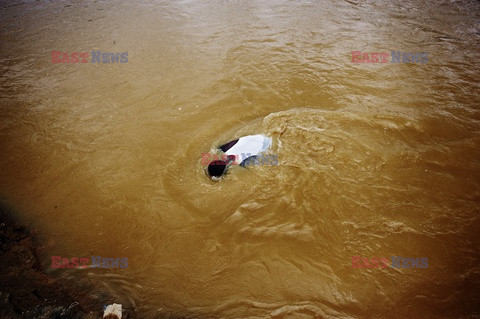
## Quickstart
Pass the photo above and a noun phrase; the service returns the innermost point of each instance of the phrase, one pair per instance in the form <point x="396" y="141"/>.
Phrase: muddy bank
<point x="27" y="292"/>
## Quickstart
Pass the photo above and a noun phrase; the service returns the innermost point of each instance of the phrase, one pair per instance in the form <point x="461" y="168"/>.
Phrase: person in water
<point x="238" y="152"/>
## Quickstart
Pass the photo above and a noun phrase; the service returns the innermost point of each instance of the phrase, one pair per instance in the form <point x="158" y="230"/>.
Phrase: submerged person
<point x="239" y="152"/>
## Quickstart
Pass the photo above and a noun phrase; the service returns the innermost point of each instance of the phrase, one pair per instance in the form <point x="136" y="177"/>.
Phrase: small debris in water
<point x="113" y="311"/>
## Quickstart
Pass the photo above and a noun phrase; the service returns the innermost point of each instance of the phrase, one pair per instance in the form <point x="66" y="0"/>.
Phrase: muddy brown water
<point x="375" y="160"/>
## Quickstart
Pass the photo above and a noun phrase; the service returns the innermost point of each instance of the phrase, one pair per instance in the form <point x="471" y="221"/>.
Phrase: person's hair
<point x="217" y="168"/>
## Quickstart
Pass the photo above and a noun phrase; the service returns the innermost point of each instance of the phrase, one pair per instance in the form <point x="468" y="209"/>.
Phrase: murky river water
<point x="375" y="160"/>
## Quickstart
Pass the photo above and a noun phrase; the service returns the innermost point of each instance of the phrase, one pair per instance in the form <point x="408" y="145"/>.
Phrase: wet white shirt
<point x="248" y="146"/>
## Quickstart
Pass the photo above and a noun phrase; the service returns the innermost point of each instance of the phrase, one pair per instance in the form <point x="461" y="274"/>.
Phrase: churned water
<point x="374" y="159"/>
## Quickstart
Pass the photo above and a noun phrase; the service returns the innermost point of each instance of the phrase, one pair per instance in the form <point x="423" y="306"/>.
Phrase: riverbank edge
<point x="26" y="291"/>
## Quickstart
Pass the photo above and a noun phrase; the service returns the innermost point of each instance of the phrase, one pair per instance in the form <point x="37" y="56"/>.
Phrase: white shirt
<point x="248" y="146"/>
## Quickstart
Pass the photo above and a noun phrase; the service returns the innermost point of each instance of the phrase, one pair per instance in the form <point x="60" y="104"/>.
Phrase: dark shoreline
<point x="26" y="291"/>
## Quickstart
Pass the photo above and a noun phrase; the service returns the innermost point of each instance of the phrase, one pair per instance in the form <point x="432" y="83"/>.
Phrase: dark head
<point x="217" y="168"/>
